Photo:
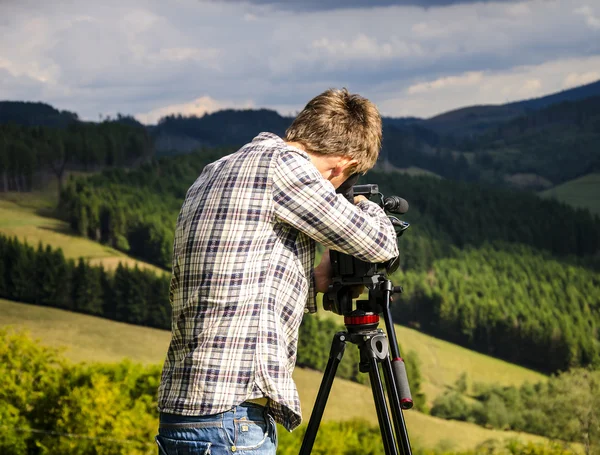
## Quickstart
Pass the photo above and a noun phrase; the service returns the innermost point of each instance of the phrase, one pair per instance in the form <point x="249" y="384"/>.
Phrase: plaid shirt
<point x="243" y="261"/>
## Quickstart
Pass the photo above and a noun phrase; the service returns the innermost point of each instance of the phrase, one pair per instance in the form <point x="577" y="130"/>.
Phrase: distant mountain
<point x="226" y="128"/>
<point x="536" y="150"/>
<point x="573" y="94"/>
<point x="34" y="114"/>
<point x="27" y="113"/>
<point x="400" y="121"/>
<point x="559" y="142"/>
<point x="533" y="143"/>
<point x="473" y="120"/>
<point x="230" y="128"/>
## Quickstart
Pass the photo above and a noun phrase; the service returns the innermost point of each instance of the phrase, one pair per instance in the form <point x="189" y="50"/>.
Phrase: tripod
<point x="362" y="330"/>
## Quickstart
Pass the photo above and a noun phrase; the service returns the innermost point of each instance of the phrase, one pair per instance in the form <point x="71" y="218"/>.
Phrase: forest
<point x="30" y="154"/>
<point x="511" y="235"/>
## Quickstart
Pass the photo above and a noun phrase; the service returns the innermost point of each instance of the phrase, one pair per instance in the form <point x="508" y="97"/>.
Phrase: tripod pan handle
<point x="401" y="378"/>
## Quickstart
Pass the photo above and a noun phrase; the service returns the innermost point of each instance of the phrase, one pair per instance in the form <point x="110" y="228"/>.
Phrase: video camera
<point x="349" y="271"/>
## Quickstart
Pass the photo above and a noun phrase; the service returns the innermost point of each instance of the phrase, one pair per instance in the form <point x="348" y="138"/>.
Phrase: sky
<point x="151" y="58"/>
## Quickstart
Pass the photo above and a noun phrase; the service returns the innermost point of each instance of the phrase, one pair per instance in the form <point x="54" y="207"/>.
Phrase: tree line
<point x="462" y="214"/>
<point x="508" y="301"/>
<point x="135" y="211"/>
<point x="43" y="276"/>
<point x="566" y="407"/>
<point x="28" y="153"/>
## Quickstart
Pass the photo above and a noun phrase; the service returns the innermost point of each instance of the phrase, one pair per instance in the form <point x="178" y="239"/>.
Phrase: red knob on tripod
<point x="362" y="319"/>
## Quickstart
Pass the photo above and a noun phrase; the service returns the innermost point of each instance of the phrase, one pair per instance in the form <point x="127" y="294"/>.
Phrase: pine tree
<point x="87" y="288"/>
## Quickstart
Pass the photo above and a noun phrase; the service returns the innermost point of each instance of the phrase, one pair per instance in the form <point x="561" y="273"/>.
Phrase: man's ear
<point x="343" y="167"/>
<point x="350" y="166"/>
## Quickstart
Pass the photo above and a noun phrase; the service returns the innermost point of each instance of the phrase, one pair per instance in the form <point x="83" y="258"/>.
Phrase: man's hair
<point x="339" y="123"/>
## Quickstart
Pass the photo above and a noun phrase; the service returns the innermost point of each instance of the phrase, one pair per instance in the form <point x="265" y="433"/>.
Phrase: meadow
<point x="28" y="216"/>
<point x="90" y="339"/>
<point x="582" y="192"/>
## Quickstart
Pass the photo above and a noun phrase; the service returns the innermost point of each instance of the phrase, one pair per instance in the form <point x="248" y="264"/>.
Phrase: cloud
<point x="430" y="98"/>
<point x="465" y="80"/>
<point x="149" y="57"/>
<point x="197" y="107"/>
<point x="577" y="79"/>
<point x="364" y="47"/>
<point x="591" y="20"/>
<point x="312" y="5"/>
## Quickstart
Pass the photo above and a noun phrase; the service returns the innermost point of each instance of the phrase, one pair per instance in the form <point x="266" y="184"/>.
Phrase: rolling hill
<point x="25" y="216"/>
<point x="91" y="339"/>
<point x="583" y="192"/>
<point x="472" y="120"/>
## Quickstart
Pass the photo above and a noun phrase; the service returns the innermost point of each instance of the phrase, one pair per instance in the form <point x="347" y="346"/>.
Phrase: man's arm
<point x="308" y="202"/>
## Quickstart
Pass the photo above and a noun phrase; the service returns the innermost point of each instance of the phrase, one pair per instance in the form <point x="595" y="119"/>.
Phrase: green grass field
<point x="25" y="215"/>
<point x="92" y="339"/>
<point x="442" y="363"/>
<point x="583" y="192"/>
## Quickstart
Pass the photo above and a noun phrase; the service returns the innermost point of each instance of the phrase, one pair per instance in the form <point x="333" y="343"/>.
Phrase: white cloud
<point x="590" y="19"/>
<point x="465" y="80"/>
<point x="519" y="9"/>
<point x="491" y="87"/>
<point x="577" y="79"/>
<point x="364" y="47"/>
<point x="197" y="107"/>
<point x="531" y="88"/>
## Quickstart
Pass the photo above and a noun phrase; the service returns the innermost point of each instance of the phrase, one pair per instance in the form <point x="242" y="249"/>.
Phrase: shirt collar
<point x="265" y="136"/>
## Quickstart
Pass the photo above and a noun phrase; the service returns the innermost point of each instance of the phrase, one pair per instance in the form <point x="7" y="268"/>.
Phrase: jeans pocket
<point x="251" y="434"/>
<point x="168" y="446"/>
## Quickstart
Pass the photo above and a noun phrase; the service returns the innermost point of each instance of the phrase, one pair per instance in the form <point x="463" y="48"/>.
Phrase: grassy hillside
<point x="91" y="338"/>
<point x="87" y="338"/>
<point x="24" y="215"/>
<point x="442" y="363"/>
<point x="583" y="192"/>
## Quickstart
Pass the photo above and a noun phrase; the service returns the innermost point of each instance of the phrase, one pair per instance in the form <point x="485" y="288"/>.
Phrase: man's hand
<point x="323" y="273"/>
<point x="323" y="276"/>
<point x="359" y="198"/>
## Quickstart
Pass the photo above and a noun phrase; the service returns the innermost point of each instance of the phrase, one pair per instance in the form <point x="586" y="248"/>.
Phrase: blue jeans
<point x="247" y="428"/>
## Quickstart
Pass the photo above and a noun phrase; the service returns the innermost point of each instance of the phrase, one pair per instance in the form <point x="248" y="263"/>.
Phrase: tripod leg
<point x="394" y="397"/>
<point x="338" y="346"/>
<point x="375" y="350"/>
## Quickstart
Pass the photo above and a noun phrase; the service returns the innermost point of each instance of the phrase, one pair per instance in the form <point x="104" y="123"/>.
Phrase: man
<point x="243" y="274"/>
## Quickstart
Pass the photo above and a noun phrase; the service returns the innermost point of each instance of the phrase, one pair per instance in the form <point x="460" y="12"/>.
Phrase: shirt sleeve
<point x="308" y="202"/>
